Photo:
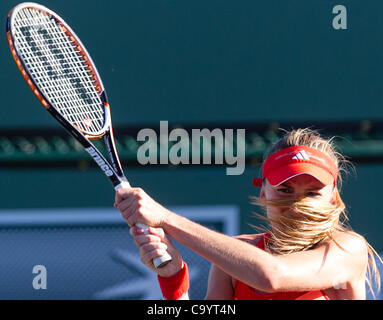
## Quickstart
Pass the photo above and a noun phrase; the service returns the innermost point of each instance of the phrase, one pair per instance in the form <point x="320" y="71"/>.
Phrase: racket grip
<point x="161" y="261"/>
<point x="158" y="262"/>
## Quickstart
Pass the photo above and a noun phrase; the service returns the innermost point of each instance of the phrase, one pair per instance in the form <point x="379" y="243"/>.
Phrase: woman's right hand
<point x="154" y="243"/>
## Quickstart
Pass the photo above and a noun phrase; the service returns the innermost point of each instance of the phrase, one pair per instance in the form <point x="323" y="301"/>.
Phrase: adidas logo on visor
<point x="301" y="155"/>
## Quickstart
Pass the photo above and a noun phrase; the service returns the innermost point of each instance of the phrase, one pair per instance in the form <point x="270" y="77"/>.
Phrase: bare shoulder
<point x="351" y="252"/>
<point x="350" y="242"/>
<point x="348" y="248"/>
<point x="249" y="238"/>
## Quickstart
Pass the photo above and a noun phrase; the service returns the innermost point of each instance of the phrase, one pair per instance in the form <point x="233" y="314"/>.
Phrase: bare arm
<point x="236" y="258"/>
<point x="319" y="268"/>
<point x="324" y="267"/>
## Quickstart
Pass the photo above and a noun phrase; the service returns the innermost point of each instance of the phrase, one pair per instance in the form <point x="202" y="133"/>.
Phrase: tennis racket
<point x="62" y="75"/>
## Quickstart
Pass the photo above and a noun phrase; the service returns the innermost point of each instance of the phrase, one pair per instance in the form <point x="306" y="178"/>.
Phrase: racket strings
<point x="54" y="93"/>
<point x="71" y="110"/>
<point x="59" y="70"/>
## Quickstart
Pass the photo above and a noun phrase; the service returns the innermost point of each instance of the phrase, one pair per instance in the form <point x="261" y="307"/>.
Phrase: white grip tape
<point x="159" y="261"/>
<point x="123" y="184"/>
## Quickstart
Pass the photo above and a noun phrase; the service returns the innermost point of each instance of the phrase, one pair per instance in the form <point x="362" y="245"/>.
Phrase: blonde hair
<point x="314" y="220"/>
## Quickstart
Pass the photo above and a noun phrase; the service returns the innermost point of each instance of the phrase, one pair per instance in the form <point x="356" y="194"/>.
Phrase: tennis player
<point x="306" y="253"/>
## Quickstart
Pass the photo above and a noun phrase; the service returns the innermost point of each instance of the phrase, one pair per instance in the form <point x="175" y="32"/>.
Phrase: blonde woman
<point x="306" y="253"/>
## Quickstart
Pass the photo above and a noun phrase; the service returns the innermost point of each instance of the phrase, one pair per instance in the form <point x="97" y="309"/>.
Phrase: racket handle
<point x="161" y="261"/>
<point x="158" y="262"/>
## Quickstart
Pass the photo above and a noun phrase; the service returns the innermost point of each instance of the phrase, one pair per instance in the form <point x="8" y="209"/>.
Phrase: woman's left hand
<point x="153" y="243"/>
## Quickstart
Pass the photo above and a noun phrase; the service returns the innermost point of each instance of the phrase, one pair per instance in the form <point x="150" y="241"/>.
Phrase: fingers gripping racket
<point x="60" y="72"/>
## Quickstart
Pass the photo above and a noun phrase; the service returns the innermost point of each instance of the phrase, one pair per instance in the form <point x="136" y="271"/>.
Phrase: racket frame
<point x="113" y="169"/>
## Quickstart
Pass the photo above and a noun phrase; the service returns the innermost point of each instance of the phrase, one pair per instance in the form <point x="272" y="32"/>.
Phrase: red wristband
<point x="176" y="286"/>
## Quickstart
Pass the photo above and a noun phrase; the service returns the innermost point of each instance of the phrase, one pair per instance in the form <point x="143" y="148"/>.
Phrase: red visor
<point x="293" y="161"/>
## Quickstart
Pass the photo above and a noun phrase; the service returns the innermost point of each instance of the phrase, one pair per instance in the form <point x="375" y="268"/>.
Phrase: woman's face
<point x="297" y="187"/>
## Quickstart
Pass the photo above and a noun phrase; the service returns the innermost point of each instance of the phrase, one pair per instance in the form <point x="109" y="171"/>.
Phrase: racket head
<point x="58" y="68"/>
